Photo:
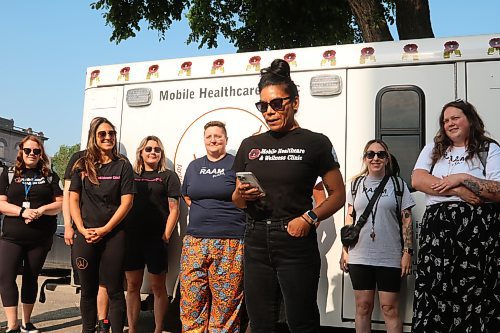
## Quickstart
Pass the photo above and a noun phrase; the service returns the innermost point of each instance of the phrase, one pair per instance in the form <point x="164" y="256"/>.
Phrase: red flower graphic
<point x="255" y="60"/>
<point x="125" y="70"/>
<point x="495" y="43"/>
<point x="367" y="51"/>
<point x="329" y="54"/>
<point x="153" y="69"/>
<point x="289" y="57"/>
<point x="451" y="45"/>
<point x="411" y="48"/>
<point x="186" y="65"/>
<point x="95" y="74"/>
<point x="218" y="63"/>
<point x="254" y="154"/>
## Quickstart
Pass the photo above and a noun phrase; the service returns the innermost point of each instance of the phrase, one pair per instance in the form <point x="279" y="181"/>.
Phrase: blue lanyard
<point x="28" y="188"/>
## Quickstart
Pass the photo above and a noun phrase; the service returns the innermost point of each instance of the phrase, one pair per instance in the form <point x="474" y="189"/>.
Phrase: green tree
<point x="273" y="24"/>
<point x="61" y="158"/>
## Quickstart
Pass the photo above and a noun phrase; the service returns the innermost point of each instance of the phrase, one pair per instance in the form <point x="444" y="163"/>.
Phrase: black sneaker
<point x="103" y="326"/>
<point x="29" y="328"/>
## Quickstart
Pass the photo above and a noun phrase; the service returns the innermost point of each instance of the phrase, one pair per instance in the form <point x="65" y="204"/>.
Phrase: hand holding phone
<point x="247" y="177"/>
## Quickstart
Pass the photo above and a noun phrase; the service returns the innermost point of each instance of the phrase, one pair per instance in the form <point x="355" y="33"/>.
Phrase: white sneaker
<point x="29" y="328"/>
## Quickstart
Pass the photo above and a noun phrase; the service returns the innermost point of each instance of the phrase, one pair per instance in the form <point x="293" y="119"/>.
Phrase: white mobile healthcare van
<point x="351" y="93"/>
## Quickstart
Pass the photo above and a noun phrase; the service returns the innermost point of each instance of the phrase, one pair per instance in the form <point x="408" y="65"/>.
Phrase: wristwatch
<point x="314" y="218"/>
<point x="409" y="251"/>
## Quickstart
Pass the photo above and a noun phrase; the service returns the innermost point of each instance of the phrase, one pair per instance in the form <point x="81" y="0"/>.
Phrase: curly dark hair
<point x="477" y="134"/>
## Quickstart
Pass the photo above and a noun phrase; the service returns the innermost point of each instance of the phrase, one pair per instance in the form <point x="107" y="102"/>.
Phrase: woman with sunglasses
<point x="211" y="276"/>
<point x="30" y="203"/>
<point x="101" y="194"/>
<point x="148" y="229"/>
<point x="457" y="287"/>
<point x="281" y="252"/>
<point x="383" y="253"/>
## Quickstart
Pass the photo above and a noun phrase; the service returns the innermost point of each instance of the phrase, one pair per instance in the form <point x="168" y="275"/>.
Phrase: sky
<point x="46" y="47"/>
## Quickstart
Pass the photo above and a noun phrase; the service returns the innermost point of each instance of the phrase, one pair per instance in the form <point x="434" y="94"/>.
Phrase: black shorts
<point x="141" y="252"/>
<point x="366" y="277"/>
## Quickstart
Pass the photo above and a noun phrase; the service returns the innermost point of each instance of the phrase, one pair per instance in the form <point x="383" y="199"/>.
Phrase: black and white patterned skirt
<point x="457" y="286"/>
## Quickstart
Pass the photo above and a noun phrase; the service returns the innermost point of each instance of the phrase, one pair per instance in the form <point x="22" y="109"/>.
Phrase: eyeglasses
<point x="149" y="149"/>
<point x="370" y="154"/>
<point x="36" y="151"/>
<point x="102" y="134"/>
<point x="276" y="104"/>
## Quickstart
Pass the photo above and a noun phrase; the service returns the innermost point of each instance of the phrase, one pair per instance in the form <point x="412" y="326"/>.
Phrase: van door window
<point x="399" y="121"/>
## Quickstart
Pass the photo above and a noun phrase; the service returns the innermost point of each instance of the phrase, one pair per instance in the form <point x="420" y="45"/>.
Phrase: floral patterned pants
<point x="457" y="287"/>
<point x="211" y="282"/>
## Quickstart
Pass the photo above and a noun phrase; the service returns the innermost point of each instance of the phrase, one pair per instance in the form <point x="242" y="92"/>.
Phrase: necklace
<point x="374" y="210"/>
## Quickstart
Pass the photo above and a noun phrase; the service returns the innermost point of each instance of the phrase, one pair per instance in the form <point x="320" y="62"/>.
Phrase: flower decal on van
<point x="124" y="74"/>
<point x="217" y="66"/>
<point x="94" y="76"/>
<point x="367" y="54"/>
<point x="410" y="52"/>
<point x="494" y="46"/>
<point x="290" y="58"/>
<point x="329" y="58"/>
<point x="451" y="47"/>
<point x="254" y="63"/>
<point x="185" y="68"/>
<point x="152" y="72"/>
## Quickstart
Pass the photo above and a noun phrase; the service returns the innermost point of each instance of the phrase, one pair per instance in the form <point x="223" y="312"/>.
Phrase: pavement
<point x="61" y="312"/>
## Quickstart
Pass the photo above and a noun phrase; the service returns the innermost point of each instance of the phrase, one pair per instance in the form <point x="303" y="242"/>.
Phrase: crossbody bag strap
<point x="364" y="217"/>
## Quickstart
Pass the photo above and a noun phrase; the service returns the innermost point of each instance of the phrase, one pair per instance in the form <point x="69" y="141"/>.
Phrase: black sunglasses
<point x="276" y="104"/>
<point x="370" y="154"/>
<point x="36" y="151"/>
<point x="149" y="149"/>
<point x="102" y="134"/>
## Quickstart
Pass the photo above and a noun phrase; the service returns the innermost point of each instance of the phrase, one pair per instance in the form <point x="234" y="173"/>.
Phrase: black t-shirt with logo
<point x="287" y="166"/>
<point x="98" y="203"/>
<point x="150" y="211"/>
<point x="43" y="191"/>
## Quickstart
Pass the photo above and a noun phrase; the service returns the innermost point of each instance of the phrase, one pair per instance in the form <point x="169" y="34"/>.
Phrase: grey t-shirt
<point x="385" y="249"/>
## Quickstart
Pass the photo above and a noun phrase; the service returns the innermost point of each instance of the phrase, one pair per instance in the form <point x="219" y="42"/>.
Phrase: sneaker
<point x="103" y="326"/>
<point x="29" y="328"/>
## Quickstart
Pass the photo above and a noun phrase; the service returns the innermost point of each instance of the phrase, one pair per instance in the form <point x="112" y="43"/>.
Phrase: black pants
<point x="12" y="256"/>
<point x="279" y="265"/>
<point x="101" y="263"/>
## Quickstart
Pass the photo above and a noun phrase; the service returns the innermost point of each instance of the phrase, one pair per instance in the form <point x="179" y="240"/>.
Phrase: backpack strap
<point x="483" y="155"/>
<point x="398" y="184"/>
<point x="354" y="190"/>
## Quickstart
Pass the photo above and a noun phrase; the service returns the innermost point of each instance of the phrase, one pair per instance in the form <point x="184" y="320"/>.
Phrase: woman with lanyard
<point x="281" y="251"/>
<point x="30" y="203"/>
<point x="457" y="287"/>
<point x="101" y="194"/>
<point x="211" y="276"/>
<point x="382" y="255"/>
<point x="148" y="229"/>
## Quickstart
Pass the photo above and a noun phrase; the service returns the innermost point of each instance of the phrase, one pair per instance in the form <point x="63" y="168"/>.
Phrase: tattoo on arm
<point x="482" y="186"/>
<point x="408" y="230"/>
<point x="473" y="185"/>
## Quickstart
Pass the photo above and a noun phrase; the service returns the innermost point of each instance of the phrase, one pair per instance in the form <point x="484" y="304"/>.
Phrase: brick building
<point x="10" y="136"/>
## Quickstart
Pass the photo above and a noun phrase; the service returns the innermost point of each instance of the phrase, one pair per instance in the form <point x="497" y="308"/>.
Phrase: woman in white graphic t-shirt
<point x="457" y="288"/>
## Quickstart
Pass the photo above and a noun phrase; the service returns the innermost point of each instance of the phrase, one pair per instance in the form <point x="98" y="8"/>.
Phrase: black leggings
<point x="101" y="264"/>
<point x="12" y="256"/>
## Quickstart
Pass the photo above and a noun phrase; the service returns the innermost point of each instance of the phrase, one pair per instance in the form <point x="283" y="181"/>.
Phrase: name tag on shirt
<point x="26" y="204"/>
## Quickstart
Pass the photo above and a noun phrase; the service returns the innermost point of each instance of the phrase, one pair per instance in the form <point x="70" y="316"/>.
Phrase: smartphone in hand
<point x="248" y="177"/>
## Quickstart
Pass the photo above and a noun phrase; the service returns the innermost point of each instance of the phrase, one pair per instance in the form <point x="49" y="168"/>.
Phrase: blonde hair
<point x="139" y="162"/>
<point x="388" y="166"/>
